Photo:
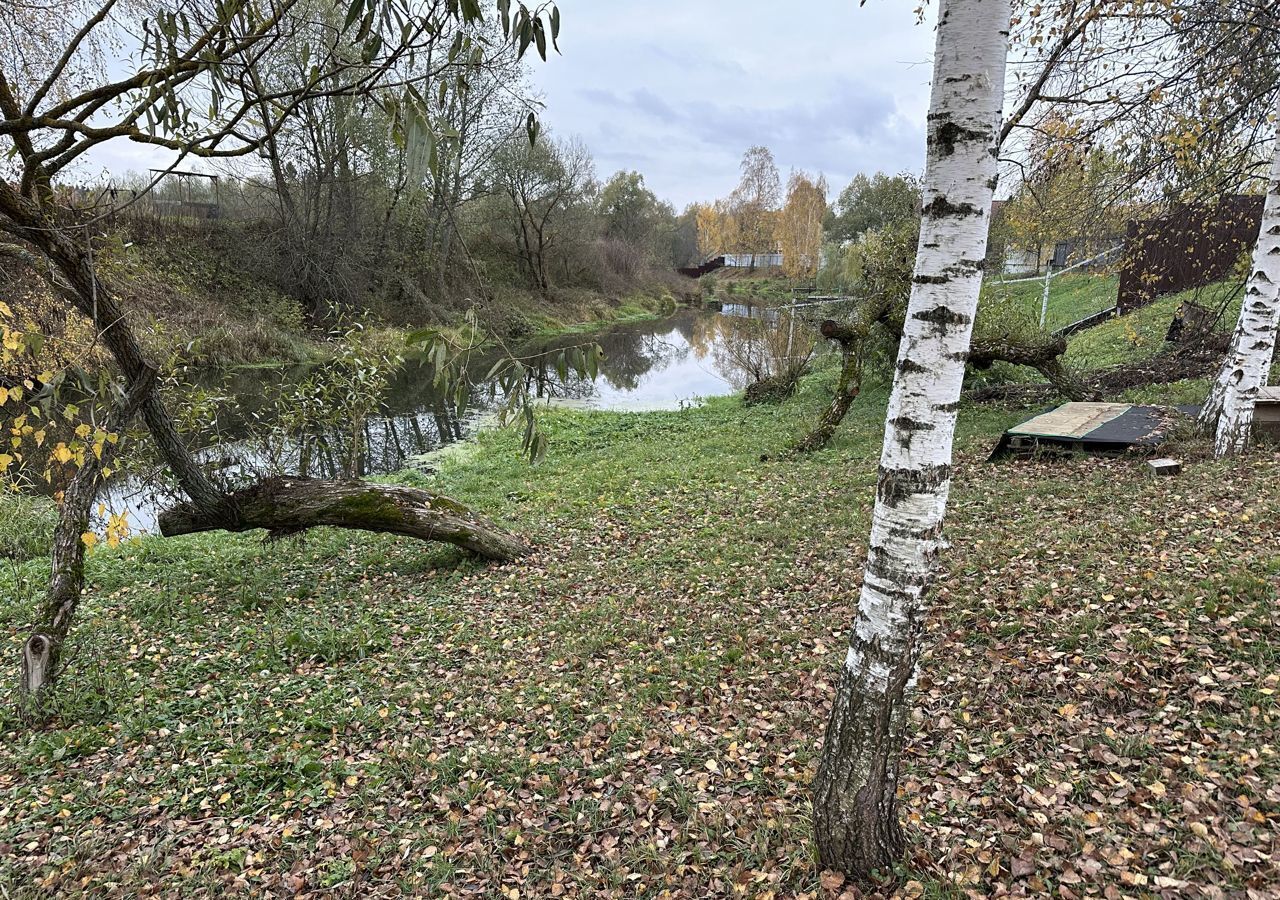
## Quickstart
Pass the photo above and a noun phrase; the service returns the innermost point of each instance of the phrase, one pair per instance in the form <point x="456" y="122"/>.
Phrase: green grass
<point x="1071" y="297"/>
<point x="637" y="708"/>
<point x="1140" y="334"/>
<point x="26" y="525"/>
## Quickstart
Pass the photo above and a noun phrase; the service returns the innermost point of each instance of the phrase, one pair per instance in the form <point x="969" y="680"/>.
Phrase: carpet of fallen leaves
<point x="637" y="710"/>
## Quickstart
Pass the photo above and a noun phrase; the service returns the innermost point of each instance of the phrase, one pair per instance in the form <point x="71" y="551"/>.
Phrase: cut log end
<point x="285" y="506"/>
<point x="37" y="665"/>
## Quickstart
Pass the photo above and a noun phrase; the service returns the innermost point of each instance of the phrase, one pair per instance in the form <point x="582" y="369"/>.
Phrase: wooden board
<point x="1071" y="420"/>
<point x="1266" y="410"/>
<point x="1109" y="428"/>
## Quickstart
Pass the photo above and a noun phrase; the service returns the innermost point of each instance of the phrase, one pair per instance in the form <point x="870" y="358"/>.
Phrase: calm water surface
<point x="664" y="364"/>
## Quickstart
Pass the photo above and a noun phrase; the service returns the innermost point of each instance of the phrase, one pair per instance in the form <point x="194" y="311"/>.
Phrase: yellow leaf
<point x="89" y="538"/>
<point x="5" y="461"/>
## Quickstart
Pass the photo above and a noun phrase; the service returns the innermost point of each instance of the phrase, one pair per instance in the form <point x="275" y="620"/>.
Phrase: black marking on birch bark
<point x="927" y="534"/>
<point x="896" y="485"/>
<point x="946" y="407"/>
<point x="930" y="279"/>
<point x="959" y="356"/>
<point x="940" y="208"/>
<point x="1274" y="229"/>
<point x="906" y="423"/>
<point x="942" y="317"/>
<point x="909" y="365"/>
<point x="888" y="573"/>
<point x="948" y="134"/>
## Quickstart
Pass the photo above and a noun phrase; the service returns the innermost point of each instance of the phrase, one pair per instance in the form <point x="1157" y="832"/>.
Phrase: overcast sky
<point x="678" y="89"/>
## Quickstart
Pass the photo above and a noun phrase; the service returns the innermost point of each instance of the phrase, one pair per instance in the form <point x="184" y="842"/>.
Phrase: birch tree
<point x="799" y="233"/>
<point x="855" y="816"/>
<point x="1228" y="410"/>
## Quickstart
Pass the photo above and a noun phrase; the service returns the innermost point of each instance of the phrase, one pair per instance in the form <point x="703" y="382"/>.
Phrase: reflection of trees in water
<point x="627" y="362"/>
<point x="415" y="418"/>
<point x="748" y="349"/>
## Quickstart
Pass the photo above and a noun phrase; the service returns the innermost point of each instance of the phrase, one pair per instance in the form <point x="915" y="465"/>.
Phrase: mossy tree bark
<point x="42" y="650"/>
<point x="1041" y="352"/>
<point x="286" y="506"/>
<point x="855" y="811"/>
<point x="852" y="339"/>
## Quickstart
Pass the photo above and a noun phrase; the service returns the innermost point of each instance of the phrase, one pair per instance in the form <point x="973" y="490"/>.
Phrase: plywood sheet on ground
<point x="1071" y="419"/>
<point x="1093" y="427"/>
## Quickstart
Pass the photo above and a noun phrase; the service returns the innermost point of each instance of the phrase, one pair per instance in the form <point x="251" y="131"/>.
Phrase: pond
<point x="659" y="364"/>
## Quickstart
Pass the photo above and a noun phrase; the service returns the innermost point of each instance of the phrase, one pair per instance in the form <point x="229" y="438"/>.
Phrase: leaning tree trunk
<point x="96" y="303"/>
<point x="1043" y="352"/>
<point x="349" y="504"/>
<point x="855" y="816"/>
<point x="42" y="650"/>
<point x="852" y="340"/>
<point x="1228" y="410"/>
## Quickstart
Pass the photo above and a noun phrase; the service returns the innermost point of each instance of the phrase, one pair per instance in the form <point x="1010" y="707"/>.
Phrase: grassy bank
<point x="1071" y="297"/>
<point x="636" y="711"/>
<point x="196" y="295"/>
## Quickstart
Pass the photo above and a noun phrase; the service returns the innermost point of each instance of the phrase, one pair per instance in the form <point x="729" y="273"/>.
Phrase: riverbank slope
<point x="637" y="709"/>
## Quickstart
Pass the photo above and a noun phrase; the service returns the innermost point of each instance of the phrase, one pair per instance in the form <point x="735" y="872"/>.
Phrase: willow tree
<point x="192" y="89"/>
<point x="855" y="808"/>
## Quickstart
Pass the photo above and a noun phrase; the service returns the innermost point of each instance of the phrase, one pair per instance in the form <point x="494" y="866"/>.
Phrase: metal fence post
<point x="1044" y="300"/>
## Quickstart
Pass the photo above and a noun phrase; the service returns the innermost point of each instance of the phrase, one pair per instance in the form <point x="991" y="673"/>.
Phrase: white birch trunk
<point x="1228" y="410"/>
<point x="855" y="817"/>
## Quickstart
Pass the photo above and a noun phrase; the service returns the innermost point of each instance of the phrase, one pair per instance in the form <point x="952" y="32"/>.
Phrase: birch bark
<point x="855" y="816"/>
<point x="1228" y="410"/>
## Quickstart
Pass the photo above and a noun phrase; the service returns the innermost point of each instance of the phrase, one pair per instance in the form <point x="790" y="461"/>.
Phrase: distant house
<point x="771" y="260"/>
<point x="1008" y="258"/>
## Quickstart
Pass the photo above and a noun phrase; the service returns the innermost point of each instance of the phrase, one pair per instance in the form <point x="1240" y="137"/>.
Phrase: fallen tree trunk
<point x="1045" y="356"/>
<point x="285" y="505"/>
<point x="1042" y="353"/>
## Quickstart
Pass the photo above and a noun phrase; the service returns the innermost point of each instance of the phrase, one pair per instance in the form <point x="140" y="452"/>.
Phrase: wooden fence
<point x="1190" y="247"/>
